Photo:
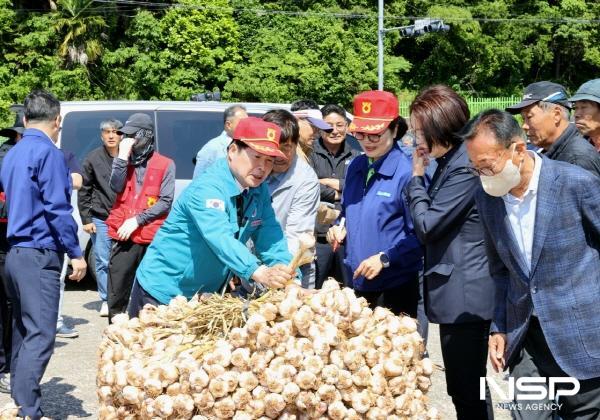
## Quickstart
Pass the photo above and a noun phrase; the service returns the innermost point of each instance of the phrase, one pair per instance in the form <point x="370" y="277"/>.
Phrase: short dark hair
<point x="400" y="123"/>
<point x="290" y="131"/>
<point x="502" y="124"/>
<point x="302" y="104"/>
<point x="333" y="109"/>
<point x="41" y="106"/>
<point x="441" y="113"/>
<point x="230" y="112"/>
<point x="240" y="144"/>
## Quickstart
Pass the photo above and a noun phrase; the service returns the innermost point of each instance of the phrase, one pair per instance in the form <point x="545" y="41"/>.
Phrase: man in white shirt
<point x="541" y="221"/>
<point x="294" y="189"/>
<point x="217" y="147"/>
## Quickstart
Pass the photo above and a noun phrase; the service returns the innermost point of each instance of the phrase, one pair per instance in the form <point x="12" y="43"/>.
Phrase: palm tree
<point x="82" y="30"/>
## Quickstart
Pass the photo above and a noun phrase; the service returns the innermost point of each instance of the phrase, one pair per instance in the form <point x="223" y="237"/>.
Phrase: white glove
<point x="125" y="148"/>
<point x="127" y="228"/>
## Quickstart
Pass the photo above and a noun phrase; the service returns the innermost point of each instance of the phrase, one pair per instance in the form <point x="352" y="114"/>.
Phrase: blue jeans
<point x="102" y="246"/>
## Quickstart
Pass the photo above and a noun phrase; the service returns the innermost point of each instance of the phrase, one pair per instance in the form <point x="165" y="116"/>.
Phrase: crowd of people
<point x="489" y="228"/>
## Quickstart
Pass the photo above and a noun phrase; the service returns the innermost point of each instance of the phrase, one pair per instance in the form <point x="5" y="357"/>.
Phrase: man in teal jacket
<point x="203" y="241"/>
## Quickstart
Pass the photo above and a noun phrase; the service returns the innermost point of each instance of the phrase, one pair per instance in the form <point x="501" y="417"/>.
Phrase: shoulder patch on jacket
<point x="215" y="203"/>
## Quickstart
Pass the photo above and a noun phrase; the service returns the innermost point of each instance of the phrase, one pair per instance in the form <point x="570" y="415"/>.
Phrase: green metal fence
<point x="476" y="105"/>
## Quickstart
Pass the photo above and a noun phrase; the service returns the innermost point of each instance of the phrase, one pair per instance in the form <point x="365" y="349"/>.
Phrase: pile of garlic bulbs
<point x="320" y="355"/>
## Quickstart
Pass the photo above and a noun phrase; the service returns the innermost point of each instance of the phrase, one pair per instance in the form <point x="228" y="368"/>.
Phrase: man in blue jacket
<point x="40" y="230"/>
<point x="202" y="244"/>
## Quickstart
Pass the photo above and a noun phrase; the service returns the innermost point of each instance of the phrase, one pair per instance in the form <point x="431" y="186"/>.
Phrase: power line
<point x="131" y="5"/>
<point x="344" y="15"/>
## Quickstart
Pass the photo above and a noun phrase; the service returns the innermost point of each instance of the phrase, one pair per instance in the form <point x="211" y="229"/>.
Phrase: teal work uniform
<point x="196" y="247"/>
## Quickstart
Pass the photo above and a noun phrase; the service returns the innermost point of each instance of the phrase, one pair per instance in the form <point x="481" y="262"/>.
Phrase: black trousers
<point x="423" y="322"/>
<point x="124" y="260"/>
<point x="330" y="264"/>
<point x="465" y="351"/>
<point x="535" y="359"/>
<point x="5" y="319"/>
<point x="139" y="298"/>
<point x="400" y="300"/>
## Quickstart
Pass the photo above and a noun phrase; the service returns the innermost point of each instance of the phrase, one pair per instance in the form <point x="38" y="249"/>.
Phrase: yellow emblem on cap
<point x="271" y="134"/>
<point x="151" y="201"/>
<point x="366" y="107"/>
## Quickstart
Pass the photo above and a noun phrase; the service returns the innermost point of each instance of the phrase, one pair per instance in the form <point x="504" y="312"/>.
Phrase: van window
<point x="181" y="134"/>
<point x="81" y="130"/>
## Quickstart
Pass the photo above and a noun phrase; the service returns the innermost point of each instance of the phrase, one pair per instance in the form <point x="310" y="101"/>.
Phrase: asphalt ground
<point x="69" y="385"/>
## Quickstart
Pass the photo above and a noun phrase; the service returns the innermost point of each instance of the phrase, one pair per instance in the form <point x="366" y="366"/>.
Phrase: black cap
<point x="542" y="91"/>
<point x="19" y="128"/>
<point x="137" y="122"/>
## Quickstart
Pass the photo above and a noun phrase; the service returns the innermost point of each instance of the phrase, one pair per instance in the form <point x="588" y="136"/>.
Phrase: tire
<point x="90" y="259"/>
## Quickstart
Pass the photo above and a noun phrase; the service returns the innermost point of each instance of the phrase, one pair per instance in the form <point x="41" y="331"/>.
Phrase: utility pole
<point x="380" y="35"/>
<point x="420" y="27"/>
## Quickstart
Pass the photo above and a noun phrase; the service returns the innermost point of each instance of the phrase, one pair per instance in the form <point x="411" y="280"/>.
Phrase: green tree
<point x="318" y="56"/>
<point x="80" y="28"/>
<point x="189" y="49"/>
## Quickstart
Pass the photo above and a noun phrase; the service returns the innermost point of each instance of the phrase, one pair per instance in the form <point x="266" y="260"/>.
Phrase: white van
<point x="182" y="128"/>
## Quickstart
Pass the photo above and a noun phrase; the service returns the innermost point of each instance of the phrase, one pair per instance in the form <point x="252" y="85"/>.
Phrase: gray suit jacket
<point x="564" y="281"/>
<point x="458" y="287"/>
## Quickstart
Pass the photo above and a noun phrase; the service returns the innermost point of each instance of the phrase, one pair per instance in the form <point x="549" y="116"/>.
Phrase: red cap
<point x="373" y="112"/>
<point x="260" y="135"/>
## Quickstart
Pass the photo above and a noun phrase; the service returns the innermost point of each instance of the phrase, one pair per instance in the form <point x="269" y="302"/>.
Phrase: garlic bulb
<point x="199" y="380"/>
<point x="238" y="337"/>
<point x="169" y="374"/>
<point x="259" y="392"/>
<point x="203" y="400"/>
<point x="306" y="379"/>
<point x="248" y="380"/>
<point x="224" y="408"/>
<point x="174" y="389"/>
<point x="344" y="379"/>
<point x="313" y="364"/>
<point x="183" y="405"/>
<point x="240" y="357"/>
<point x="427" y="366"/>
<point x="274" y="404"/>
<point x="362" y="401"/>
<point x="290" y="392"/>
<point x="327" y="393"/>
<point x="268" y="311"/>
<point x="337" y="410"/>
<point x="330" y="374"/>
<point x="255" y="323"/>
<point x="164" y="406"/>
<point x="218" y="387"/>
<point x="241" y="397"/>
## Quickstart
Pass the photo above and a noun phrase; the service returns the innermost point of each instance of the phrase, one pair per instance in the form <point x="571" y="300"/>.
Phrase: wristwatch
<point x="385" y="261"/>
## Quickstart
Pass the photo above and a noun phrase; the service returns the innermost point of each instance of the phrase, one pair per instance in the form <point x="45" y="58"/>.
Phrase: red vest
<point x="3" y="218"/>
<point x="128" y="204"/>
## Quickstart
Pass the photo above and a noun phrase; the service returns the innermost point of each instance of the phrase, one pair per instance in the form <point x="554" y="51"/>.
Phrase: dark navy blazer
<point x="458" y="287"/>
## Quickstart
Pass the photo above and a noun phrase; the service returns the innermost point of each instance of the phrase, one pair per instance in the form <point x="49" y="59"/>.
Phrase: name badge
<point x="256" y="223"/>
<point x="384" y="194"/>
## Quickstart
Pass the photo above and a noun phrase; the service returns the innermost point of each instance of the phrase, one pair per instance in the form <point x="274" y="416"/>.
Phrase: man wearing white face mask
<point x="541" y="223"/>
